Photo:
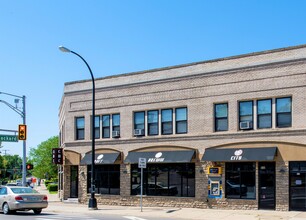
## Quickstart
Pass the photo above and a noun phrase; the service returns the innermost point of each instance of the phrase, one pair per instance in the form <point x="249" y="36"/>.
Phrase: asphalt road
<point x="60" y="216"/>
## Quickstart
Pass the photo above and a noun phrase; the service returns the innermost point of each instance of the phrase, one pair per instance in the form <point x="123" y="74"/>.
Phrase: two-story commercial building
<point x="226" y="133"/>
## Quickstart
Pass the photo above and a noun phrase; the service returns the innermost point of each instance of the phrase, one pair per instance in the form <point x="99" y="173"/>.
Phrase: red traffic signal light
<point x="22" y="132"/>
<point x="29" y="166"/>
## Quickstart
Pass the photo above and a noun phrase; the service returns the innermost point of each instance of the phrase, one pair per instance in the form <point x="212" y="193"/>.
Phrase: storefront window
<point x="240" y="180"/>
<point x="297" y="186"/>
<point x="165" y="180"/>
<point x="107" y="179"/>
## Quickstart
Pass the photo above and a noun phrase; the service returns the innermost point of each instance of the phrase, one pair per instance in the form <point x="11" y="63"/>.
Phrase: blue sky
<point x="120" y="37"/>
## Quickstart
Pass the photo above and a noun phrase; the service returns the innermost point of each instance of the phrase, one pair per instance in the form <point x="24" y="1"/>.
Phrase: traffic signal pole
<point x="24" y="156"/>
<point x="22" y="113"/>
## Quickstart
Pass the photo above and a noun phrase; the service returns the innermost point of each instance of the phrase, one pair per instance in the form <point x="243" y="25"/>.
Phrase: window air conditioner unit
<point x="138" y="132"/>
<point x="115" y="134"/>
<point x="245" y="125"/>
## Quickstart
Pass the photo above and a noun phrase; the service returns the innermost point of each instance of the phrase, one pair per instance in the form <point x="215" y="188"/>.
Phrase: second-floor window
<point x="139" y="120"/>
<point x="153" y="122"/>
<point x="221" y="117"/>
<point x="166" y="121"/>
<point x="246" y="113"/>
<point x="264" y="113"/>
<point x="181" y="120"/>
<point x="116" y="122"/>
<point x="97" y="127"/>
<point x="139" y="123"/>
<point x="283" y="112"/>
<point x="80" y="128"/>
<point x="105" y="126"/>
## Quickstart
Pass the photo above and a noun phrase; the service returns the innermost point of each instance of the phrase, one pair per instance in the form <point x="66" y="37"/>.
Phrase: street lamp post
<point x="22" y="113"/>
<point x="92" y="204"/>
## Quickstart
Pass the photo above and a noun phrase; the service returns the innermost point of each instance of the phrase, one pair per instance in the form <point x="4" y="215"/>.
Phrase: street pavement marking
<point x="66" y="217"/>
<point x="133" y="218"/>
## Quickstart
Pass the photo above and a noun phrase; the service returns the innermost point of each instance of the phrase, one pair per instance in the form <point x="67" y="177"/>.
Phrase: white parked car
<point x="18" y="198"/>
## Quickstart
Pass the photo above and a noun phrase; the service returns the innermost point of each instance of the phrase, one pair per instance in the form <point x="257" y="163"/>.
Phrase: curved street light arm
<point x="21" y="113"/>
<point x="92" y="77"/>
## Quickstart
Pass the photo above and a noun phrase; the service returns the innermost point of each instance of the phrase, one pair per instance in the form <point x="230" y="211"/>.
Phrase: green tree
<point x="12" y="161"/>
<point x="1" y="158"/>
<point x="41" y="158"/>
<point x="1" y="168"/>
<point x="10" y="166"/>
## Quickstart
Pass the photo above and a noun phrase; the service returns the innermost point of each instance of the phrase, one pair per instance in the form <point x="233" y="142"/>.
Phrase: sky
<point x="117" y="37"/>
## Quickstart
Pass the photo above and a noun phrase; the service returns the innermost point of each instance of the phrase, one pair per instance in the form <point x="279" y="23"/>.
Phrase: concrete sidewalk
<point x="43" y="190"/>
<point x="176" y="213"/>
<point x="56" y="206"/>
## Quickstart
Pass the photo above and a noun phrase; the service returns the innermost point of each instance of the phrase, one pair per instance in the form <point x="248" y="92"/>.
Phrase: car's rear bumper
<point x="28" y="205"/>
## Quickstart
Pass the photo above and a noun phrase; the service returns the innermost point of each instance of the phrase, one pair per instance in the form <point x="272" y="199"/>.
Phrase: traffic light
<point x="22" y="132"/>
<point x="29" y="166"/>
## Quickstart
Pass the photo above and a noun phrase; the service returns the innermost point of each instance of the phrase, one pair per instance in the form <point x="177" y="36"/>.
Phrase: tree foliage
<point x="10" y="166"/>
<point x="12" y="162"/>
<point x="41" y="158"/>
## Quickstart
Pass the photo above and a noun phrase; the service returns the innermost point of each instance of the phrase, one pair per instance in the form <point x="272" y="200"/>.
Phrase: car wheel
<point x="37" y="211"/>
<point x="6" y="209"/>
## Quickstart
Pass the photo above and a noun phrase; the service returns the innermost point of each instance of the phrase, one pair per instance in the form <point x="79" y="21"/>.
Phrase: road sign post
<point x="142" y="163"/>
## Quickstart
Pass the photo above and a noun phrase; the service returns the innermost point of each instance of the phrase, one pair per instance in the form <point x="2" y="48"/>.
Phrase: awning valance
<point x="161" y="156"/>
<point x="240" y="154"/>
<point x="100" y="158"/>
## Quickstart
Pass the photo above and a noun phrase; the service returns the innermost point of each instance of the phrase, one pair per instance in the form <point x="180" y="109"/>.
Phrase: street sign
<point x="8" y="138"/>
<point x="142" y="163"/>
<point x="57" y="155"/>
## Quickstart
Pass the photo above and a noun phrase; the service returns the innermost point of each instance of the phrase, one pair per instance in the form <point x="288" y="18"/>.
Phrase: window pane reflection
<point x="240" y="180"/>
<point x="165" y="180"/>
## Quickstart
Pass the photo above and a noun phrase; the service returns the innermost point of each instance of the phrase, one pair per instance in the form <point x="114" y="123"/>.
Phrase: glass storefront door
<point x="266" y="182"/>
<point x="74" y="181"/>
<point x="297" y="186"/>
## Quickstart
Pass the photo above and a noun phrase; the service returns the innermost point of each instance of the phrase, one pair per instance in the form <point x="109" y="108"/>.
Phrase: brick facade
<point x="197" y="86"/>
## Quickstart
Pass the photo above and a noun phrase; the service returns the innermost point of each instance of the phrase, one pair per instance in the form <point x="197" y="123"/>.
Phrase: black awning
<point x="107" y="158"/>
<point x="161" y="156"/>
<point x="240" y="154"/>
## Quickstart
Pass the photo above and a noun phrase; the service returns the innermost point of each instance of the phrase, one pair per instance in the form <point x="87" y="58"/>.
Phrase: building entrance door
<point x="266" y="185"/>
<point x="297" y="187"/>
<point x="74" y="182"/>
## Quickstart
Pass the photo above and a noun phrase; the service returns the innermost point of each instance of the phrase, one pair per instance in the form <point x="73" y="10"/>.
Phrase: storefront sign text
<point x="238" y="155"/>
<point x="157" y="158"/>
<point x="99" y="159"/>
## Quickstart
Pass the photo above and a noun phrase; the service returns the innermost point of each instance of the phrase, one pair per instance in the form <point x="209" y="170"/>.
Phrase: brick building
<point x="226" y="133"/>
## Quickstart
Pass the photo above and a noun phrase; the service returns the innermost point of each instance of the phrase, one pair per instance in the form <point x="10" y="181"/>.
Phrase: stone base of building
<point x="178" y="202"/>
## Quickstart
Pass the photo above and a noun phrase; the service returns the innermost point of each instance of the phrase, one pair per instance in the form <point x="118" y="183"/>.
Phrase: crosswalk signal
<point x="22" y="132"/>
